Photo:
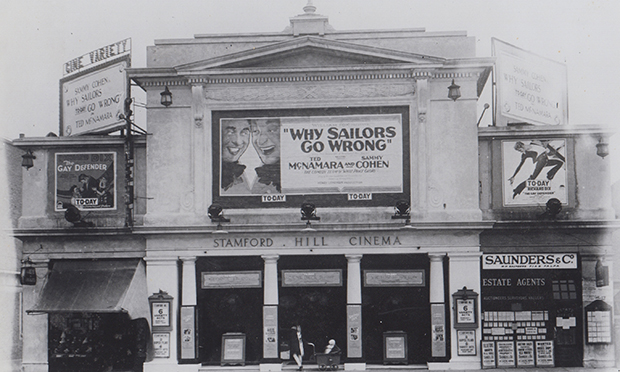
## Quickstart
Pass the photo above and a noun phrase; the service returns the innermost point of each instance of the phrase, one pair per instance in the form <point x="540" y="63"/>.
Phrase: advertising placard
<point x="530" y="88"/>
<point x="438" y="330"/>
<point x="525" y="354"/>
<point x="534" y="171"/>
<point x="161" y="314"/>
<point x="544" y="354"/>
<point x="94" y="102"/>
<point x="488" y="354"/>
<point x="349" y="154"/>
<point x="505" y="354"/>
<point x="161" y="345"/>
<point x="354" y="325"/>
<point x="466" y="340"/>
<point x="270" y="331"/>
<point x="86" y="180"/>
<point x="465" y="311"/>
<point x="188" y="334"/>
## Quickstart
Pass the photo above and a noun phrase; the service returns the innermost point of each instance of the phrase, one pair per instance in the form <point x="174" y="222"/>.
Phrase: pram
<point x="327" y="361"/>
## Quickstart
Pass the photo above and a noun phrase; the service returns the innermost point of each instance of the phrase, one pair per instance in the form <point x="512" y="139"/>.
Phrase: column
<point x="34" y="352"/>
<point x="188" y="294"/>
<point x="464" y="272"/>
<point x="162" y="273"/>
<point x="271" y="357"/>
<point x="438" y="308"/>
<point x="354" y="314"/>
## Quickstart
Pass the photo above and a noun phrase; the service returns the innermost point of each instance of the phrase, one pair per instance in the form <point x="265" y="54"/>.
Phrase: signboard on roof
<point x="97" y="57"/>
<point x="93" y="102"/>
<point x="530" y="89"/>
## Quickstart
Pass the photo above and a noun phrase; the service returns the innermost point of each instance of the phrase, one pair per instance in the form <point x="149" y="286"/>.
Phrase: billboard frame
<point x="80" y="74"/>
<point x="320" y="200"/>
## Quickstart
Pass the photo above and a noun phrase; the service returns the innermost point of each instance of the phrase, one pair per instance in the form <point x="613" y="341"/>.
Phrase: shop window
<point x="564" y="290"/>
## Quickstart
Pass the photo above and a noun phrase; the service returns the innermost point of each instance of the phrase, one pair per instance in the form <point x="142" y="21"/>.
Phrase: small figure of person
<point x="297" y="346"/>
<point x="103" y="192"/>
<point x="89" y="185"/>
<point x="235" y="140"/>
<point x="266" y="141"/>
<point x="331" y="347"/>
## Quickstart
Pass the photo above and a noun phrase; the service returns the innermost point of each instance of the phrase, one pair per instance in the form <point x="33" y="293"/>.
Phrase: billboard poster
<point x="311" y="155"/>
<point x="530" y="88"/>
<point x="85" y="180"/>
<point x="534" y="171"/>
<point x="93" y="102"/>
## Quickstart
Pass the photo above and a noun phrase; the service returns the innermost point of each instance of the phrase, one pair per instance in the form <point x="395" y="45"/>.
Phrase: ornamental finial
<point x="309" y="8"/>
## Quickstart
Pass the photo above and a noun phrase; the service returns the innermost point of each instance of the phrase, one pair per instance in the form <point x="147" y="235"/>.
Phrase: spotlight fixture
<point x="402" y="211"/>
<point x="552" y="208"/>
<point x="308" y="213"/>
<point x="216" y="214"/>
<point x="166" y="97"/>
<point x="73" y="215"/>
<point x="27" y="159"/>
<point x="454" y="91"/>
<point x="602" y="148"/>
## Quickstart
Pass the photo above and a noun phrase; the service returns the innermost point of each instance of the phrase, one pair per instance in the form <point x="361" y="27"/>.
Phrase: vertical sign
<point x="534" y="171"/>
<point x="525" y="354"/>
<point x="161" y="314"/>
<point x="354" y="327"/>
<point x="466" y="340"/>
<point x="465" y="310"/>
<point x="544" y="354"/>
<point x="488" y="354"/>
<point x="161" y="344"/>
<point x="188" y="336"/>
<point x="505" y="354"/>
<point x="270" y="335"/>
<point x="438" y="329"/>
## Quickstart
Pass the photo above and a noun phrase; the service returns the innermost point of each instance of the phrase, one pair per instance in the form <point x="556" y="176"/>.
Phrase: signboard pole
<point x="129" y="165"/>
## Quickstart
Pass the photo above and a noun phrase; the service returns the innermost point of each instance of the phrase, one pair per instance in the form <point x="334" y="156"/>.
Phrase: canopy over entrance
<point x="95" y="286"/>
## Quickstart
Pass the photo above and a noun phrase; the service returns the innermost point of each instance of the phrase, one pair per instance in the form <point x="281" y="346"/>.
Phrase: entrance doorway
<point x="403" y="307"/>
<point x="320" y="309"/>
<point x="227" y="310"/>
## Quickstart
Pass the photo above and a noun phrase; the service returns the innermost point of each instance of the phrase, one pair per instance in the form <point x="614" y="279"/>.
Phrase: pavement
<point x="408" y="368"/>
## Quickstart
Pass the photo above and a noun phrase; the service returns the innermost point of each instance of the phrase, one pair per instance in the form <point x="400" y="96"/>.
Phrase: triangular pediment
<point x="307" y="53"/>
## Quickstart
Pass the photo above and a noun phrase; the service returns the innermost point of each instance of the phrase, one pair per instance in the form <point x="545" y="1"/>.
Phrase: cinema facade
<point x="467" y="271"/>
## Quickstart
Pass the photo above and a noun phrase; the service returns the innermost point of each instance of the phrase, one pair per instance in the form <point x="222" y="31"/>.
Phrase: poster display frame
<point x="343" y="198"/>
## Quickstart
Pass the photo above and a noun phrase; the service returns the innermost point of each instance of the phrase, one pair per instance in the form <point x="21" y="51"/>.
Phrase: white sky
<point x="39" y="36"/>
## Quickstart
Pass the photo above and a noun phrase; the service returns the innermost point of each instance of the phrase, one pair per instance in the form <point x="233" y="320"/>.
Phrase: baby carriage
<point x="327" y="361"/>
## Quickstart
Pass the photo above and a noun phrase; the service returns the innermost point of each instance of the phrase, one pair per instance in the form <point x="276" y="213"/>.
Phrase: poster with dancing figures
<point x="534" y="171"/>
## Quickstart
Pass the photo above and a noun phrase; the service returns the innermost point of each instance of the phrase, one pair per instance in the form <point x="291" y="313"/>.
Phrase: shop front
<point x="532" y="305"/>
<point x="97" y="315"/>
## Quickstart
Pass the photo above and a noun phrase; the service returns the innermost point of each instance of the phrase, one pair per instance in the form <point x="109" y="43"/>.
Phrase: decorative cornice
<point x="297" y="78"/>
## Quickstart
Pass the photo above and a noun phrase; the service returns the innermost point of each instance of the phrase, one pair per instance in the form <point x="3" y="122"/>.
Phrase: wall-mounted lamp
<point x="216" y="214"/>
<point x="308" y="213"/>
<point x="454" y="91"/>
<point x="73" y="215"/>
<point x="402" y="211"/>
<point x="602" y="148"/>
<point x="602" y="274"/>
<point x="166" y="97"/>
<point x="27" y="159"/>
<point x="28" y="273"/>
